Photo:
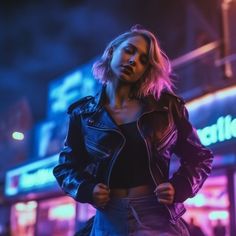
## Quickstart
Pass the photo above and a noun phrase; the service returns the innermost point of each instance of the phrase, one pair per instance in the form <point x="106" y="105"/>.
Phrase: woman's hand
<point x="101" y="195"/>
<point x="165" y="193"/>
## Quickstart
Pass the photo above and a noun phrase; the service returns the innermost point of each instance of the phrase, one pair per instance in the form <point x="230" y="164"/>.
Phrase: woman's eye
<point x="128" y="50"/>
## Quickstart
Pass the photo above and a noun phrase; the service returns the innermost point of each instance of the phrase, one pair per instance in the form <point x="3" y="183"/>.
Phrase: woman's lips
<point x="127" y="69"/>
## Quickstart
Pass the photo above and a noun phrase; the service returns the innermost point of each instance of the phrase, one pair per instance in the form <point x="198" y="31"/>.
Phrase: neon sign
<point x="38" y="178"/>
<point x="224" y="129"/>
<point x="211" y="98"/>
<point x="68" y="89"/>
<point x="33" y="176"/>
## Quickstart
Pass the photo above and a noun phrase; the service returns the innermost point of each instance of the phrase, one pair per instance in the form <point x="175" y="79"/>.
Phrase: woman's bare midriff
<point x="132" y="192"/>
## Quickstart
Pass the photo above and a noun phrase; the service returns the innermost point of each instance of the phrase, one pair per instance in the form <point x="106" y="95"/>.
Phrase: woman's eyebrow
<point x="132" y="45"/>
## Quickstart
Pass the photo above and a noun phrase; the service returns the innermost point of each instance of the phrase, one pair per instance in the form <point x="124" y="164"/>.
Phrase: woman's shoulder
<point x="79" y="104"/>
<point x="174" y="103"/>
<point x="169" y="96"/>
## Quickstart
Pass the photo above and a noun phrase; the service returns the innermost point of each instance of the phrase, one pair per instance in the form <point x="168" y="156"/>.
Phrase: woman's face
<point x="130" y="59"/>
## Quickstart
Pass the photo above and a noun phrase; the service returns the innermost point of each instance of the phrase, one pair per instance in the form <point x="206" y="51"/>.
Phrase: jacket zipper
<point x="97" y="150"/>
<point x="166" y="139"/>
<point x="114" y="158"/>
<point x="149" y="157"/>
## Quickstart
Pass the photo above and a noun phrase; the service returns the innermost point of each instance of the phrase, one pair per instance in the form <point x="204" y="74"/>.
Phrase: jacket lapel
<point x="100" y="117"/>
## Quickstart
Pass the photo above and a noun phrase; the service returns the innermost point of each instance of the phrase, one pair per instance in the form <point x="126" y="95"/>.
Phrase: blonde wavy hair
<point x="157" y="76"/>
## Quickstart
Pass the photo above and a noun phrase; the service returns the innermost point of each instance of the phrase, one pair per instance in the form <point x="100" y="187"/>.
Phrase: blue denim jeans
<point x="141" y="216"/>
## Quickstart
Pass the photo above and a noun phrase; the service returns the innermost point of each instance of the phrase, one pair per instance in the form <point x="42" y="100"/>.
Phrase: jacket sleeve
<point x="195" y="159"/>
<point x="72" y="161"/>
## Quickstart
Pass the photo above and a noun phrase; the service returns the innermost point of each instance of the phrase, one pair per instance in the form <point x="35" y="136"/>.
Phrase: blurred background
<point x="46" y="52"/>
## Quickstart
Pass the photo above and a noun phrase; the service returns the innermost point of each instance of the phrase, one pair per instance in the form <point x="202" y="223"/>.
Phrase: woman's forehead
<point x="137" y="41"/>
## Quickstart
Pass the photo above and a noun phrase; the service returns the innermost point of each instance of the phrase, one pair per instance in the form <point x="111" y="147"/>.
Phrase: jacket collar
<point x="101" y="118"/>
<point x="149" y="103"/>
<point x="96" y="103"/>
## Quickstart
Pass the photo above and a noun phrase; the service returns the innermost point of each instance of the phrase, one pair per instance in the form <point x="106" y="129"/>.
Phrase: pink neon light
<point x="211" y="97"/>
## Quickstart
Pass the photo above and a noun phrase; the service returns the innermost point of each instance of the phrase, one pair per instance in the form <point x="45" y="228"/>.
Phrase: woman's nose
<point x="132" y="60"/>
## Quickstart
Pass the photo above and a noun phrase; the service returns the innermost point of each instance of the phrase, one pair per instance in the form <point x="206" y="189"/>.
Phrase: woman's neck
<point x="118" y="94"/>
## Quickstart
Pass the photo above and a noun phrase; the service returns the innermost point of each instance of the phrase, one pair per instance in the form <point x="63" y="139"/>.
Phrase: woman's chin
<point x="126" y="80"/>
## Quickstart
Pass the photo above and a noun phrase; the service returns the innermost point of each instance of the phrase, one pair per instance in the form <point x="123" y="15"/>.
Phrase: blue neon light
<point x="223" y="129"/>
<point x="34" y="176"/>
<point x="70" y="88"/>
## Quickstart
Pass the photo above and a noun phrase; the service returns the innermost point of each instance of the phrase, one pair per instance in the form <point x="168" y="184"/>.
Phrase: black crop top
<point x="131" y="166"/>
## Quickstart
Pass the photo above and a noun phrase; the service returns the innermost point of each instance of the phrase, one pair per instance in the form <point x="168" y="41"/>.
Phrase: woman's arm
<point x="72" y="161"/>
<point x="195" y="159"/>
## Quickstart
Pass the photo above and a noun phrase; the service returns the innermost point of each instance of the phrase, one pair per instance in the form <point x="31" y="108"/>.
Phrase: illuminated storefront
<point x="214" y="116"/>
<point x="38" y="205"/>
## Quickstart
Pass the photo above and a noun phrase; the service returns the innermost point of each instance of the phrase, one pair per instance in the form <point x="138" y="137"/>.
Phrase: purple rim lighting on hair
<point x="137" y="27"/>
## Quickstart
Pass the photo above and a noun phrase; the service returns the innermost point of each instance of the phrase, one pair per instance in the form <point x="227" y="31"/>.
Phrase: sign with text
<point x="69" y="88"/>
<point x="214" y="116"/>
<point x="223" y="129"/>
<point x="35" y="176"/>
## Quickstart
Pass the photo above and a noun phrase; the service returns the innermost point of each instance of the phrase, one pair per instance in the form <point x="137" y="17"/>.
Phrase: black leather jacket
<point x="94" y="142"/>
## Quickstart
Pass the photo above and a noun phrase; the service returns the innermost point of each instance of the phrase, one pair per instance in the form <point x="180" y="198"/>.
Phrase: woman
<point x="119" y="144"/>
